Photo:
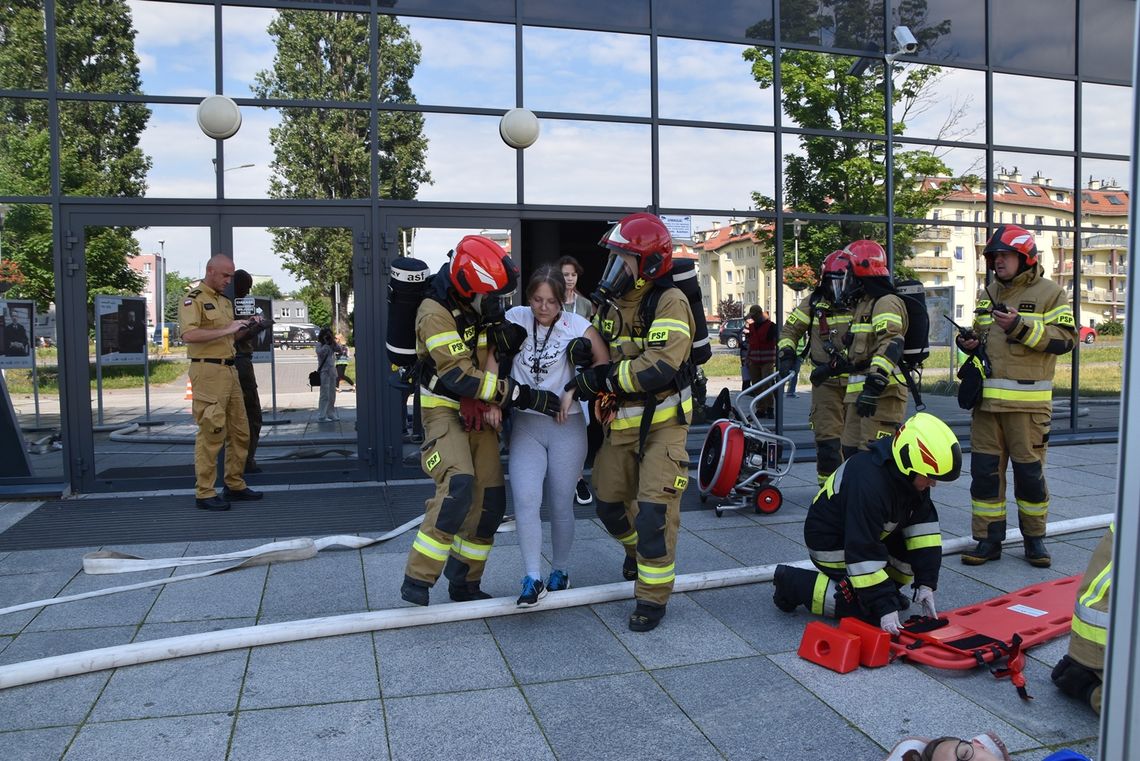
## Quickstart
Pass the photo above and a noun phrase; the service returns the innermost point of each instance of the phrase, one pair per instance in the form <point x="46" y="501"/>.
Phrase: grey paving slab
<point x="1010" y="573"/>
<point x="185" y="738"/>
<point x="440" y="658"/>
<point x="1091" y="484"/>
<point x="1081" y="506"/>
<point x="688" y="634"/>
<point x="236" y="594"/>
<point x="906" y="702"/>
<point x="5" y="641"/>
<point x="596" y="561"/>
<point x="956" y="589"/>
<point x="747" y="610"/>
<point x="560" y="644"/>
<point x="754" y="545"/>
<point x="330" y="583"/>
<point x="319" y="733"/>
<point x="69" y="559"/>
<point x="310" y="672"/>
<point x="694" y="554"/>
<point x="620" y="716"/>
<point x="117" y="609"/>
<point x="28" y="587"/>
<point x="493" y="724"/>
<point x="36" y="744"/>
<point x="383" y="574"/>
<point x="737" y="704"/>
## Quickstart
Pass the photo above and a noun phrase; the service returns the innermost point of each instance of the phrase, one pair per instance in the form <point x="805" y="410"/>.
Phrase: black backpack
<point x="916" y="346"/>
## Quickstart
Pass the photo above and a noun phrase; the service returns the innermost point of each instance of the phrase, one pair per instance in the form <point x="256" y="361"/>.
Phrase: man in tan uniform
<point x="208" y="327"/>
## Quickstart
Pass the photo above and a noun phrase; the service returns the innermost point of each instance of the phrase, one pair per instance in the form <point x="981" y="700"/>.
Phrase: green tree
<point x="847" y="175"/>
<point x="266" y="289"/>
<point x="728" y="308"/>
<point x="175" y="288"/>
<point x="99" y="146"/>
<point x="325" y="153"/>
<point x="318" y="304"/>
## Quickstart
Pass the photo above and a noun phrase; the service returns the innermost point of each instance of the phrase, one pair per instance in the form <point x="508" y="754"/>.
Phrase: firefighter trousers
<point x="859" y="433"/>
<point x="220" y="414"/>
<point x="996" y="438"/>
<point x="1090" y="629"/>
<point x="639" y="503"/>
<point x="826" y="422"/>
<point x="468" y="505"/>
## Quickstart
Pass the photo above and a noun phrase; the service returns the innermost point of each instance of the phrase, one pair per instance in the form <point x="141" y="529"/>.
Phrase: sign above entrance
<point x="680" y="226"/>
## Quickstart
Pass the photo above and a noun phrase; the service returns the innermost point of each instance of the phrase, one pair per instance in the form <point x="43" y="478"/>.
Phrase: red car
<point x="1088" y="335"/>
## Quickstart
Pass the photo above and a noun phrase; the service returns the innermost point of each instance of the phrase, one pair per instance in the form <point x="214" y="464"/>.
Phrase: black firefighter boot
<point x="989" y="548"/>
<point x="1035" y="551"/>
<point x="797" y="586"/>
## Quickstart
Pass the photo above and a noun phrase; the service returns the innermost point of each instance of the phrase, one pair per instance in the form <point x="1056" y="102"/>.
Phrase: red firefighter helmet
<point x="868" y="259"/>
<point x="480" y="265"/>
<point x="1012" y="238"/>
<point x="645" y="236"/>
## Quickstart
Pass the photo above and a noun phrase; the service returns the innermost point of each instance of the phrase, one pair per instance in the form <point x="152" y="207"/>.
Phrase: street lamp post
<point x="797" y="225"/>
<point x="4" y="209"/>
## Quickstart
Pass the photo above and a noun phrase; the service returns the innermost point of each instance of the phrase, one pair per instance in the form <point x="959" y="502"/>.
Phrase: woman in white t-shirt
<point x="546" y="452"/>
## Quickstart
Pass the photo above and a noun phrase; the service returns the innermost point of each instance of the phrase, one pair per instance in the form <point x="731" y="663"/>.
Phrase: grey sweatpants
<point x="545" y="458"/>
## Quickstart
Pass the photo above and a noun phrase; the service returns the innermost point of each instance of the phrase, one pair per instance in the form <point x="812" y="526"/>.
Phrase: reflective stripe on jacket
<point x="878" y="334"/>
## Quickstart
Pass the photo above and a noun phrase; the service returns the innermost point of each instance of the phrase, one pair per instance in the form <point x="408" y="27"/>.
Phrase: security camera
<point x="906" y="40"/>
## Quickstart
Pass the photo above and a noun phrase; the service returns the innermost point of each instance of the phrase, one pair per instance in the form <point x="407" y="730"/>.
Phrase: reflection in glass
<point x="733" y="18"/>
<point x="500" y="8"/>
<point x="578" y="71"/>
<point x="947" y="30"/>
<point x="24" y="146"/>
<point x="1106" y="118"/>
<point x="854" y="24"/>
<point x="1055" y="173"/>
<point x="1036" y="35"/>
<point x="1017" y="103"/>
<point x="834" y="176"/>
<point x="247" y="48"/>
<point x="463" y="63"/>
<point x="628" y="13"/>
<point x="952" y="106"/>
<point x="100" y="148"/>
<point x="180" y="153"/>
<point x="1110" y="174"/>
<point x="589" y="163"/>
<point x="324" y="56"/>
<point x="116" y="68"/>
<point x="175" y="46"/>
<point x="709" y="81"/>
<point x="714" y="168"/>
<point x="1107" y="28"/>
<point x="24" y="51"/>
<point x="468" y="160"/>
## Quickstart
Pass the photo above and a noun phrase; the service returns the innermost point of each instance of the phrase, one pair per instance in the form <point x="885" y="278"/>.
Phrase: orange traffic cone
<point x="189" y="392"/>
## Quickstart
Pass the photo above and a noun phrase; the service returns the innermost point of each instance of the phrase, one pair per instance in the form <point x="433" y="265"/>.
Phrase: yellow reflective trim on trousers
<point x="819" y="594"/>
<point x="898" y="576"/>
<point x="650" y="574"/>
<point x="865" y="580"/>
<point x="441" y="339"/>
<point x="470" y="550"/>
<point x="921" y="542"/>
<point x="629" y="539"/>
<point x="426" y="545"/>
<point x="1033" y="509"/>
<point x="661" y="414"/>
<point x="988" y="509"/>
<point x="489" y="386"/>
<point x="1091" y="633"/>
<point x="624" y="379"/>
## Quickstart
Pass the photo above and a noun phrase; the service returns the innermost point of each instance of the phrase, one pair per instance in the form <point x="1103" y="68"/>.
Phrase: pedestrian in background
<point x="243" y="361"/>
<point x="326" y="367"/>
<point x="761" y="343"/>
<point x="575" y="303"/>
<point x="342" y="358"/>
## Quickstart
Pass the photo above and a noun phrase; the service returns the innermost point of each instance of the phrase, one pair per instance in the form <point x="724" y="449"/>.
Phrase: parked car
<point x="1088" y="335"/>
<point x="730" y="332"/>
<point x="294" y="336"/>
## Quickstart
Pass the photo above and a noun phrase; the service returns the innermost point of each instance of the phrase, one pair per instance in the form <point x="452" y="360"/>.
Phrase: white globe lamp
<point x="519" y="128"/>
<point x="219" y="117"/>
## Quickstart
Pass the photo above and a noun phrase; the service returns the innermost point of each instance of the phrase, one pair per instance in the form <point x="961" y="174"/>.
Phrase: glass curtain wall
<point x="749" y="119"/>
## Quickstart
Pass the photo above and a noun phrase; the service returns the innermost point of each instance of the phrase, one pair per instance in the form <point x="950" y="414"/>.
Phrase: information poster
<point x="120" y="335"/>
<point x="17" y="339"/>
<point x="249" y="306"/>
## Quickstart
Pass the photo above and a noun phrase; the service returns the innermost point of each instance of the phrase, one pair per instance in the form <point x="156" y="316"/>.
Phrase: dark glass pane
<point x="460" y="8"/>
<point x="1034" y="35"/>
<point x="854" y="24"/>
<point x="22" y="53"/>
<point x="1107" y="27"/>
<point x="947" y="30"/>
<point x="746" y="19"/>
<point x="24" y="146"/>
<point x="624" y="13"/>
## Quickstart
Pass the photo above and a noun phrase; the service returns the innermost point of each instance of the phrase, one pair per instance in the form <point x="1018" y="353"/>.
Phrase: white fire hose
<point x="71" y="664"/>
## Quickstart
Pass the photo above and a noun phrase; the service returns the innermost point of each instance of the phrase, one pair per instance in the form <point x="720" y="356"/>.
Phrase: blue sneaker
<point x="557" y="581"/>
<point x="532" y="592"/>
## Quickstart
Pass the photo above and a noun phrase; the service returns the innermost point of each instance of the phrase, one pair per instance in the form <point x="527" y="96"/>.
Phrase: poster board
<point x="17" y="334"/>
<point x="248" y="306"/>
<point x="120" y="330"/>
<point x="14" y="461"/>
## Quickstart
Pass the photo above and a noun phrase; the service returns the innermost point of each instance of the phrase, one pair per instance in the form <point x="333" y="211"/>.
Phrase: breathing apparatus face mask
<point x="492" y="308"/>
<point x="834" y="285"/>
<point x="616" y="280"/>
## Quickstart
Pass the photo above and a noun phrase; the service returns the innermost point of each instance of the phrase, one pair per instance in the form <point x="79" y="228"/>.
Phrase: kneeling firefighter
<point x="645" y="404"/>
<point x="873" y="529"/>
<point x="451" y="346"/>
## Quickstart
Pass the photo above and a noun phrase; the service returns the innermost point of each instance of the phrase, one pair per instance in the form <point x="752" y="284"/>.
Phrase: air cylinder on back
<point x="685" y="277"/>
<point x="407" y="286"/>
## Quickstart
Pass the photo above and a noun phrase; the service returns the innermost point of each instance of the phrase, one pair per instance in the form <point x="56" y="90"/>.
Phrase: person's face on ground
<point x="962" y="750"/>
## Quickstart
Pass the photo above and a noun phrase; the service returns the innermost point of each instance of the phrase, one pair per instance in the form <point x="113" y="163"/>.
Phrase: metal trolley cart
<point x="741" y="460"/>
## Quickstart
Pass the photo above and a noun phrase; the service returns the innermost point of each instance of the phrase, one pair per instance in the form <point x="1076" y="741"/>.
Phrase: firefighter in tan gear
<point x="645" y="405"/>
<point x="825" y="322"/>
<point x="207" y="323"/>
<point x="875" y="398"/>
<point x="1080" y="674"/>
<point x="1024" y="322"/>
<point x="451" y="346"/>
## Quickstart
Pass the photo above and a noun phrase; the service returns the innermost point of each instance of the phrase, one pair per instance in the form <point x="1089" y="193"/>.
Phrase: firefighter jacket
<point x="761" y="342"/>
<point x="649" y="353"/>
<point x="1024" y="359"/>
<point x="453" y="348"/>
<point x="870" y="522"/>
<point x="826" y="327"/>
<point x="877" y="338"/>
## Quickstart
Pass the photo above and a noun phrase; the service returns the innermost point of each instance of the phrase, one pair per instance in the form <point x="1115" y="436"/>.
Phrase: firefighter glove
<point x="924" y="596"/>
<point x="890" y="622"/>
<point x="580" y="352"/>
<point x="786" y="361"/>
<point x="868" y="400"/>
<point x="591" y="381"/>
<point x="471" y="410"/>
<point x="527" y="398"/>
<point x="820" y="374"/>
<point x="506" y="337"/>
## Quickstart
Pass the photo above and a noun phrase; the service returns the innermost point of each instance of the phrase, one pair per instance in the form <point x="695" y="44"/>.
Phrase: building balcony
<point x="933" y="233"/>
<point x="1096" y="268"/>
<point x="1117" y="240"/>
<point x="1101" y="295"/>
<point x="937" y="263"/>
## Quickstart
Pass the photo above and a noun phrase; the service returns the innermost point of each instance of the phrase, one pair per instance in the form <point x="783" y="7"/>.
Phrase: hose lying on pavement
<point x="71" y="664"/>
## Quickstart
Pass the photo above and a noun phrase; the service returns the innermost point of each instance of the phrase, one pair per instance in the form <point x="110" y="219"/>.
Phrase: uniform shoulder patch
<point x="194" y="293"/>
<point x="187" y="302"/>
